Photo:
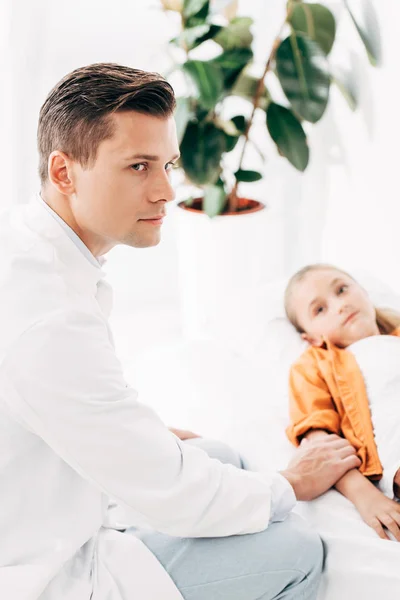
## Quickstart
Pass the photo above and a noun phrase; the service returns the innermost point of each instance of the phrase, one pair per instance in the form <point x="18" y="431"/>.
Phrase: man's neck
<point x="61" y="205"/>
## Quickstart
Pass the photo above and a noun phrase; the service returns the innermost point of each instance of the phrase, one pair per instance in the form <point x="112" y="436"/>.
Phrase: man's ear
<point x="60" y="172"/>
<point x="313" y="340"/>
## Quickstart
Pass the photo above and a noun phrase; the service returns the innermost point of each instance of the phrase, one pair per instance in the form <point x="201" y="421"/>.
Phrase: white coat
<point x="73" y="435"/>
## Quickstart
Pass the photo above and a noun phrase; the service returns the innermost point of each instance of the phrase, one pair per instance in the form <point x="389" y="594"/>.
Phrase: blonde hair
<point x="387" y="319"/>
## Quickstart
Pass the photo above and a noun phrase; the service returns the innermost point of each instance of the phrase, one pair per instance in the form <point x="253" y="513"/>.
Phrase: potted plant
<point x="299" y="59"/>
<point x="213" y="147"/>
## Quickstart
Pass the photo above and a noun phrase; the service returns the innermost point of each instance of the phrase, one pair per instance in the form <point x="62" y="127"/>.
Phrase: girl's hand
<point x="380" y="512"/>
<point x="316" y="435"/>
<point x="183" y="434"/>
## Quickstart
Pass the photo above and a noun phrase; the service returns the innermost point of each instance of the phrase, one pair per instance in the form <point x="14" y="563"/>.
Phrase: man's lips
<point x="350" y="317"/>
<point x="156" y="220"/>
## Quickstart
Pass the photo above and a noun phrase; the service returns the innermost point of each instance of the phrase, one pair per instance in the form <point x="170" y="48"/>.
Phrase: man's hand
<point x="318" y="465"/>
<point x="183" y="434"/>
<point x="396" y="484"/>
<point x="378" y="512"/>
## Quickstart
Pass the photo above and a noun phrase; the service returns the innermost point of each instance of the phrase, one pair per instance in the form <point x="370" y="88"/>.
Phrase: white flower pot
<point x="221" y="256"/>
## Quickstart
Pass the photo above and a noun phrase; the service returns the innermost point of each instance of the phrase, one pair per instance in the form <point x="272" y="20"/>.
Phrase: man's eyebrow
<point x="149" y="157"/>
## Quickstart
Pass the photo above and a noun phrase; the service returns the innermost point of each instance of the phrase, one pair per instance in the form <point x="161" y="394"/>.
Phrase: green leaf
<point x="367" y="31"/>
<point x="288" y="134"/>
<point x="317" y="22"/>
<point x="208" y="80"/>
<point x="247" y="176"/>
<point x="220" y="183"/>
<point x="227" y="126"/>
<point x="232" y="62"/>
<point x="236" y="35"/>
<point x="240" y="123"/>
<point x="303" y="72"/>
<point x="232" y="133"/>
<point x="234" y="59"/>
<point x="201" y="150"/>
<point x="183" y="114"/>
<point x="194" y="7"/>
<point x="231" y="141"/>
<point x="194" y="36"/>
<point x="189" y="201"/>
<point x="245" y="86"/>
<point x="214" y="200"/>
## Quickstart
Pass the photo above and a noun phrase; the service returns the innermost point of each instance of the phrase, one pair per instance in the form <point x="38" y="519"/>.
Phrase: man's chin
<point x="136" y="242"/>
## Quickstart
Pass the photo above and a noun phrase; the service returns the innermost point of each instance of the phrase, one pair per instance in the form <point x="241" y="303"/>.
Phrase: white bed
<point x="233" y="386"/>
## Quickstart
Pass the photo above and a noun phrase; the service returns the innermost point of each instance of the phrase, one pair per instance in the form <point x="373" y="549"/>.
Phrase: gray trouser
<point x="282" y="562"/>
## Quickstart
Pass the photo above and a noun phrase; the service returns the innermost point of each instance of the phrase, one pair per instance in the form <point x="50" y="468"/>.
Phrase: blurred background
<point x="343" y="209"/>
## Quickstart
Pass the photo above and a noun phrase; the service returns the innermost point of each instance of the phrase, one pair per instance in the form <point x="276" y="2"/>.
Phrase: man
<point x="74" y="436"/>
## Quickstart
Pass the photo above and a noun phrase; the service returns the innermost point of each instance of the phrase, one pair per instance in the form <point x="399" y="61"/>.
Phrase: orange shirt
<point x="327" y="391"/>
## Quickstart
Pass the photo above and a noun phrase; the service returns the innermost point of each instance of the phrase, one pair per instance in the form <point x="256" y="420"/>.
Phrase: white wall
<point x="345" y="209"/>
<point x="363" y="203"/>
<point x="46" y="40"/>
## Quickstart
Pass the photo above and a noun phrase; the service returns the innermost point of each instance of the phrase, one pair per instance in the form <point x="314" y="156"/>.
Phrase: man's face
<point x="122" y="198"/>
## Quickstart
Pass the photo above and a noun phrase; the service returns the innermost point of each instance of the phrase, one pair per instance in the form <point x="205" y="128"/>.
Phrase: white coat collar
<point x="75" y="266"/>
<point x="71" y="233"/>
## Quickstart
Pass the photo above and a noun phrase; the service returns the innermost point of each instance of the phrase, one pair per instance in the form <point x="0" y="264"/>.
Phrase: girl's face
<point x="330" y="306"/>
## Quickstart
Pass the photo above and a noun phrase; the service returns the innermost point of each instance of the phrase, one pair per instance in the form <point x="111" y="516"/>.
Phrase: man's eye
<point x="138" y="166"/>
<point x="169" y="166"/>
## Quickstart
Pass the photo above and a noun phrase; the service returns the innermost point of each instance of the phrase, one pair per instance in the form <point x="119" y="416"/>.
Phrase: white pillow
<point x="251" y="320"/>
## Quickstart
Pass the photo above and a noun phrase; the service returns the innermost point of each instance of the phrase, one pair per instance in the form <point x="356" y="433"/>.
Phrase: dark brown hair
<point x="75" y="116"/>
<point x="387" y="319"/>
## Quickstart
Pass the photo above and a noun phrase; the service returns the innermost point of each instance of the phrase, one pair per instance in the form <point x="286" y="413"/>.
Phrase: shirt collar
<point x="81" y="272"/>
<point x="72" y="235"/>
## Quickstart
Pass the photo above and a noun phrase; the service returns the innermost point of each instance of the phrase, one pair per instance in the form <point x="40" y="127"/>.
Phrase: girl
<point x="348" y="383"/>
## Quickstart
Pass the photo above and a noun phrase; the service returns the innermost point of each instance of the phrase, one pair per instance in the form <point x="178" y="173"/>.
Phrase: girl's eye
<point x="318" y="310"/>
<point x="342" y="289"/>
<point x="137" y="167"/>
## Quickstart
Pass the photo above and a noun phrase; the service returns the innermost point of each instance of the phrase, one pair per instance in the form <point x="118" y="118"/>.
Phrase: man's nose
<point x="163" y="190"/>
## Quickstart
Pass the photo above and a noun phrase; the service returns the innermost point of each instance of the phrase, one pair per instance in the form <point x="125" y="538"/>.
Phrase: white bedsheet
<point x="359" y="565"/>
<point x="378" y="358"/>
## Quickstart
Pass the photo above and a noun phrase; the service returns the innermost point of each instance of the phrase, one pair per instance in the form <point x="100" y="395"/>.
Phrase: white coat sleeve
<point x="62" y="380"/>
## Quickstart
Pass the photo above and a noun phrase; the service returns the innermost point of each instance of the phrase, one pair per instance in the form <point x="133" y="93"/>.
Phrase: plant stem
<point x="233" y="198"/>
